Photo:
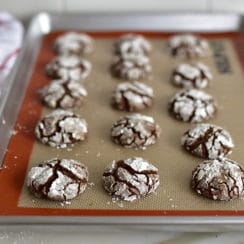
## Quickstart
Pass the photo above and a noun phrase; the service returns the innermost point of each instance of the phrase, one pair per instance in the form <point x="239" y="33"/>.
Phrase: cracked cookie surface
<point x="131" y="67"/>
<point x="188" y="46"/>
<point x="132" y="96"/>
<point x="135" y="131"/>
<point x="218" y="179"/>
<point x="207" y="141"/>
<point x="61" y="128"/>
<point x="192" y="105"/>
<point x="58" y="179"/>
<point x="63" y="94"/>
<point x="74" y="43"/>
<point x="191" y="76"/>
<point x="130" y="179"/>
<point x="68" y="68"/>
<point x="132" y="43"/>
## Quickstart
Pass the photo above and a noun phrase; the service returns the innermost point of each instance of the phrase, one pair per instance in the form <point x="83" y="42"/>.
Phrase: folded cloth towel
<point x="11" y="37"/>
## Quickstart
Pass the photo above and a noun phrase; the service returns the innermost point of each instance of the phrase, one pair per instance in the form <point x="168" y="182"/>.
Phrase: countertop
<point x="87" y="234"/>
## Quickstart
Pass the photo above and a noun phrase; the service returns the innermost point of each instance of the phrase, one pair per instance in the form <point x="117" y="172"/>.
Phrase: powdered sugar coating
<point x="69" y="67"/>
<point x="188" y="46"/>
<point x="58" y="180"/>
<point x="131" y="67"/>
<point x="132" y="43"/>
<point x="61" y="128"/>
<point x="74" y="43"/>
<point x="130" y="179"/>
<point x="135" y="131"/>
<point x="132" y="96"/>
<point x="63" y="94"/>
<point x="195" y="75"/>
<point x="207" y="141"/>
<point x="192" y="105"/>
<point x="218" y="179"/>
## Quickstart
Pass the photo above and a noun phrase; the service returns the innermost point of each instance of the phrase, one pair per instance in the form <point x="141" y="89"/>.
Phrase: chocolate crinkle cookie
<point x="132" y="43"/>
<point x="188" y="46"/>
<point x="61" y="128"/>
<point x="131" y="67"/>
<point x="68" y="68"/>
<point x="192" y="105"/>
<point x="191" y="76"/>
<point x="63" y="94"/>
<point x="218" y="179"/>
<point x="132" y="96"/>
<point x="135" y="131"/>
<point x="58" y="179"/>
<point x="207" y="141"/>
<point x="130" y="179"/>
<point x="74" y="43"/>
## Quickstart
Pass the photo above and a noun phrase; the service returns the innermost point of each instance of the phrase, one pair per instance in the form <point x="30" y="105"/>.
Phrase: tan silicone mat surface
<point x="174" y="164"/>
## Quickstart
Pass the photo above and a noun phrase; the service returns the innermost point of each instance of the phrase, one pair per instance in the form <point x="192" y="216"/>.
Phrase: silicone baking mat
<point x="174" y="196"/>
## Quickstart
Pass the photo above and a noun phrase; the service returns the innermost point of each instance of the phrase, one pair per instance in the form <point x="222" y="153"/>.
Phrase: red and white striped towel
<point x="11" y="37"/>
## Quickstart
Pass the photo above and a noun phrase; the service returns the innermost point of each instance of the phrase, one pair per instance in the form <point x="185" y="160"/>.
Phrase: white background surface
<point x="100" y="235"/>
<point x="24" y="9"/>
<point x="81" y="234"/>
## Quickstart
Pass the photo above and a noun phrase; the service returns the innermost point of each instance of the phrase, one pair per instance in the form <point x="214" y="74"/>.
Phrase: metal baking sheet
<point x="46" y="23"/>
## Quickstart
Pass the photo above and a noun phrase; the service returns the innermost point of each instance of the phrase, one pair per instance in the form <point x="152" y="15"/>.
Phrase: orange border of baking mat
<point x="12" y="175"/>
